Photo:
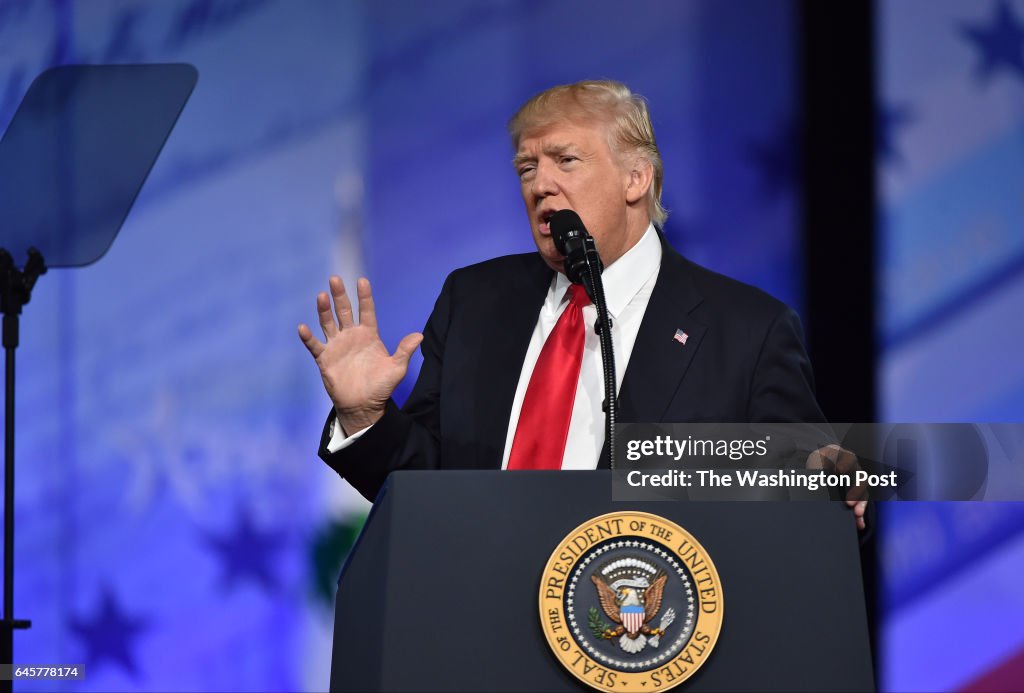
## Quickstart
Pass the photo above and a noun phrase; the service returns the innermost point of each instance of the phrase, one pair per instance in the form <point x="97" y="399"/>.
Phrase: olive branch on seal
<point x="597" y="626"/>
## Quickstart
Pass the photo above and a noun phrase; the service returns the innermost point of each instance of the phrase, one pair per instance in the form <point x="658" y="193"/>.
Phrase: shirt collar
<point x="626" y="276"/>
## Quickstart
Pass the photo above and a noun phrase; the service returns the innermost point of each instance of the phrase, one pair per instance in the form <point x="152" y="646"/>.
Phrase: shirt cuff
<point x="339" y="441"/>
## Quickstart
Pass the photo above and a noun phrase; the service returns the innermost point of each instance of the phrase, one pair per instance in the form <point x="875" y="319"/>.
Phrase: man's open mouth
<point x="543" y="218"/>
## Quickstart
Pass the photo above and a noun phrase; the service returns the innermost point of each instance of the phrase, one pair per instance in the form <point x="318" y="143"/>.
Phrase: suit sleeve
<point x="406" y="438"/>
<point x="782" y="389"/>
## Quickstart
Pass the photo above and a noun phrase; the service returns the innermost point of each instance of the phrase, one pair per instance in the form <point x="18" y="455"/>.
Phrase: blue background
<point x="951" y="288"/>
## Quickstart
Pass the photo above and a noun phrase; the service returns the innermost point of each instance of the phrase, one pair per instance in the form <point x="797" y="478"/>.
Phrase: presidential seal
<point x="631" y="602"/>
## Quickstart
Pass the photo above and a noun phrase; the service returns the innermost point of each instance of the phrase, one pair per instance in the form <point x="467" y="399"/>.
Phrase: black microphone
<point x="583" y="266"/>
<point x="572" y="240"/>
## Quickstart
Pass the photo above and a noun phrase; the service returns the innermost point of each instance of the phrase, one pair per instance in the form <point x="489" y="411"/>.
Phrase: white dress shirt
<point x="628" y="284"/>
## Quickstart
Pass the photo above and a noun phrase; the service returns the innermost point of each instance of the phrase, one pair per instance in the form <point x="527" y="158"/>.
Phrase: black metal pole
<point x="603" y="327"/>
<point x="15" y="291"/>
<point x="7" y="644"/>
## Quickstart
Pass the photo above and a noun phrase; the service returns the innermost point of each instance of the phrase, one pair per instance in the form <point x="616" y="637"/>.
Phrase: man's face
<point x="571" y="166"/>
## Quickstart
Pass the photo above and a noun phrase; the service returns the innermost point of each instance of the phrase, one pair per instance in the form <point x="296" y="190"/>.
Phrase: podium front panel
<point x="441" y="592"/>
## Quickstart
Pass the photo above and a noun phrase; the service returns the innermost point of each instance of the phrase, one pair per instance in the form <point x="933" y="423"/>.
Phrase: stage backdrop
<point x="175" y="529"/>
<point x="951" y="183"/>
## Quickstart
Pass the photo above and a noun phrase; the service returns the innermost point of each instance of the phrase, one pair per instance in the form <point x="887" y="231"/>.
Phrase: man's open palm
<point x="358" y="372"/>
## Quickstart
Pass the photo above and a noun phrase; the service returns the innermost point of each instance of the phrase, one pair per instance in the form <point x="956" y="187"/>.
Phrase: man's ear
<point x="641" y="177"/>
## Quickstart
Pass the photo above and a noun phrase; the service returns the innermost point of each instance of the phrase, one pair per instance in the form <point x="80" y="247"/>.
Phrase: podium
<point x="440" y="591"/>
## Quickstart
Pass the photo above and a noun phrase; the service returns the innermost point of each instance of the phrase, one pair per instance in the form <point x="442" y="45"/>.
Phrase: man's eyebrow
<point x="520" y="159"/>
<point x="560" y="148"/>
<point x="550" y="150"/>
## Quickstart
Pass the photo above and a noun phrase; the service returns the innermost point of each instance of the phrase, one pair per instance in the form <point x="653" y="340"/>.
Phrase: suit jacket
<point x="744" y="361"/>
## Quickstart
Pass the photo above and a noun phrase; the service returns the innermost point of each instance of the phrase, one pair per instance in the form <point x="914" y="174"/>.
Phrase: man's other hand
<point x="835" y="459"/>
<point x="358" y="372"/>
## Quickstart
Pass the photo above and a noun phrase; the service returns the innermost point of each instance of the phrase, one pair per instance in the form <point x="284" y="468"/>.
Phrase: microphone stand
<point x="603" y="327"/>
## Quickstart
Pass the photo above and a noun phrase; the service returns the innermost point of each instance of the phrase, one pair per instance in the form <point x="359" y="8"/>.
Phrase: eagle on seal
<point x="632" y="604"/>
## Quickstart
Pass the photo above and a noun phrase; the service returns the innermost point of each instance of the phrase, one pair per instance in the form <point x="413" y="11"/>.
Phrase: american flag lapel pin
<point x="681" y="337"/>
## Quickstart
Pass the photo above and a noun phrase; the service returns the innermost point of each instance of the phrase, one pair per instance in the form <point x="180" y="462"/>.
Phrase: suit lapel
<point x="659" y="362"/>
<point x="512" y="321"/>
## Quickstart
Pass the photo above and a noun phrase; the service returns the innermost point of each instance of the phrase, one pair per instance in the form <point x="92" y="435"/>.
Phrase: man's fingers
<point x="367" y="314"/>
<point x="342" y="306"/>
<point x="407" y="347"/>
<point x="855" y="494"/>
<point x="325" y="316"/>
<point x="847" y="462"/>
<point x="860" y="507"/>
<point x="823" y="458"/>
<point x="859" y="510"/>
<point x="314" y="345"/>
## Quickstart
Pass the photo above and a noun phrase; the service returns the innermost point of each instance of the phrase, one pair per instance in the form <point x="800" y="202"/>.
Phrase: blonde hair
<point x="608" y="102"/>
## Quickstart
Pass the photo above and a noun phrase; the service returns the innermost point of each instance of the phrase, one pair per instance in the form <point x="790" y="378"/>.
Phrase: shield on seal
<point x="632" y="617"/>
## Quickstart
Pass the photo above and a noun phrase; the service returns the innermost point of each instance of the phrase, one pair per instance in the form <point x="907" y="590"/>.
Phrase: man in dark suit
<point x="691" y="345"/>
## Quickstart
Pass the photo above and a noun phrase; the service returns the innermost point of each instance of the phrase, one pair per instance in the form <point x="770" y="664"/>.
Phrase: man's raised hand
<point x="358" y="372"/>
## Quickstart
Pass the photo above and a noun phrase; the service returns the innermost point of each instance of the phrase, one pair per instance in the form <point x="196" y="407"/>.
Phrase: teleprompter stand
<point x="72" y="162"/>
<point x="15" y="291"/>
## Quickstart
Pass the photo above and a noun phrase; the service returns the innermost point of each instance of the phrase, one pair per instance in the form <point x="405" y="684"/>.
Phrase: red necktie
<point x="543" y="426"/>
